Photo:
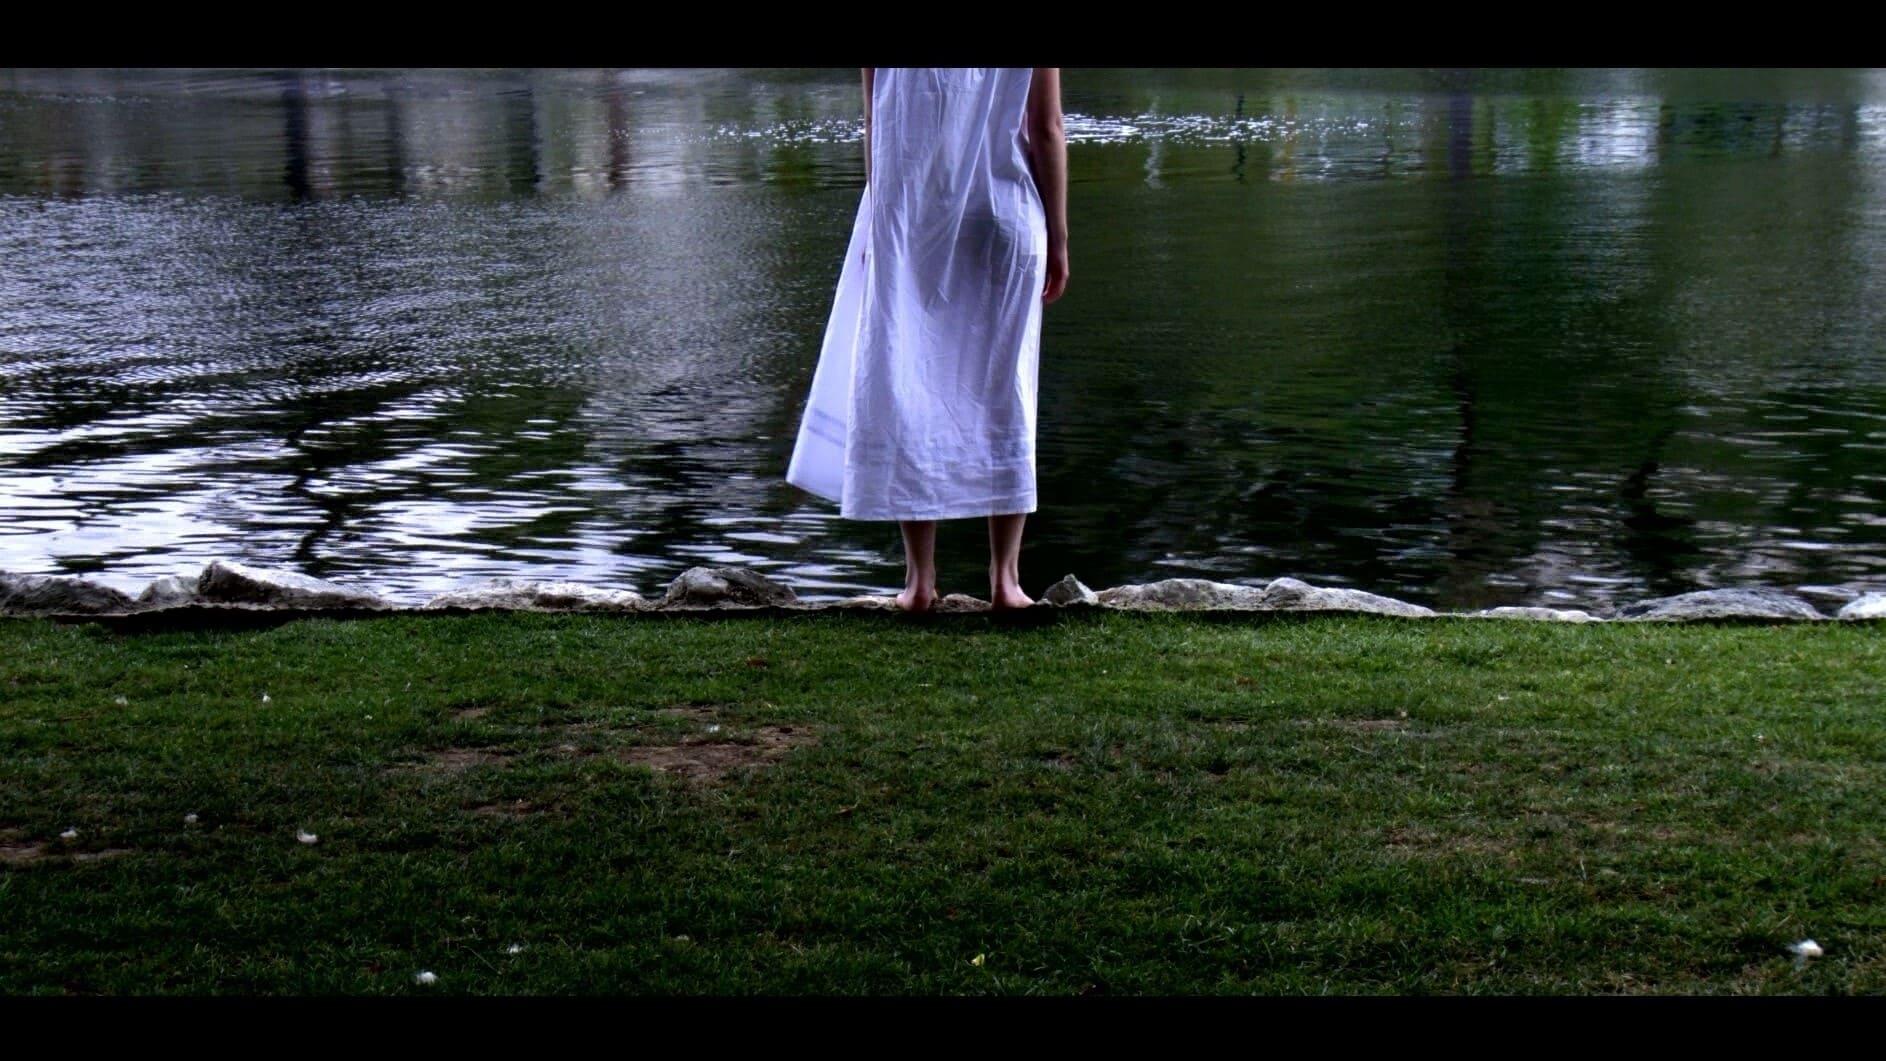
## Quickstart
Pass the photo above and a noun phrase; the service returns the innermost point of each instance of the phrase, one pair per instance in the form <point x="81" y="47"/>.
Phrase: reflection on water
<point x="1465" y="337"/>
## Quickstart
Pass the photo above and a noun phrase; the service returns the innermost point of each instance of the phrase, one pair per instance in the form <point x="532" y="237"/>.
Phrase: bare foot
<point x="1007" y="597"/>
<point x="916" y="599"/>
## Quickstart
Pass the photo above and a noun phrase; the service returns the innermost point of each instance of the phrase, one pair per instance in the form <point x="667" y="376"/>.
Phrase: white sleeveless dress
<point x="923" y="403"/>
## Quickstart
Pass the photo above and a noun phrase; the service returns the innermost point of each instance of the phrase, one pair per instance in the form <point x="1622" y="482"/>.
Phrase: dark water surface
<point x="1468" y="338"/>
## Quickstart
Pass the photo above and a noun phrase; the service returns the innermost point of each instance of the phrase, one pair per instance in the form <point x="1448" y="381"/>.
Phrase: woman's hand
<point x="1057" y="271"/>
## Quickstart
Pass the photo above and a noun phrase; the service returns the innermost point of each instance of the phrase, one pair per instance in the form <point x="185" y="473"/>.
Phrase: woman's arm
<point x="868" y="77"/>
<point x="1047" y="148"/>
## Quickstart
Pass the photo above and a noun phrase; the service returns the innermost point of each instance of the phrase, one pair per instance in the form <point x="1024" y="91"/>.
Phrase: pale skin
<point x="1047" y="158"/>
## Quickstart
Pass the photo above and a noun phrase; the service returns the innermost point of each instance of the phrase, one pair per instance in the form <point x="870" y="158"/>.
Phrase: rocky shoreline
<point x="226" y="585"/>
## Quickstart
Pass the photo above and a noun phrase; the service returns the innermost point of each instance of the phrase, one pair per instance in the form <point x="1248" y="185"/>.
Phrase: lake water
<point x="1467" y="338"/>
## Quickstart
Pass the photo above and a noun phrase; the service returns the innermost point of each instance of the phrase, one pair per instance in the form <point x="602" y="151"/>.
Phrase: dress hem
<point x="815" y="491"/>
<point x="1020" y="504"/>
<point x="1013" y="504"/>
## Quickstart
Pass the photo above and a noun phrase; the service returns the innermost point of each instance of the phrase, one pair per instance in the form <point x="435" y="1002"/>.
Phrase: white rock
<point x="229" y="583"/>
<point x="49" y="595"/>
<point x="426" y="978"/>
<point x="504" y="594"/>
<point x="69" y="834"/>
<point x="515" y="948"/>
<point x="1552" y="615"/>
<point x="168" y="592"/>
<point x="1292" y="595"/>
<point x="306" y="837"/>
<point x="1183" y="594"/>
<point x="1870" y="606"/>
<point x="956" y="604"/>
<point x="189" y="819"/>
<point x="1750" y="603"/>
<point x="1807" y="948"/>
<point x="726" y="587"/>
<point x="1068" y="591"/>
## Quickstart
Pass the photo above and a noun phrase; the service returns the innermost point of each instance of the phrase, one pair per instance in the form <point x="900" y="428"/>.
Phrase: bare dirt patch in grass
<point x="1357" y="725"/>
<point x="1416" y="841"/>
<point x="467" y="714"/>
<point x="687" y="741"/>
<point x="466" y="758"/>
<point x="20" y="852"/>
<point x="582" y="737"/>
<point x="704" y="713"/>
<point x="457" y="760"/>
<point x="16" y="851"/>
<point x="508" y="808"/>
<point x="709" y="758"/>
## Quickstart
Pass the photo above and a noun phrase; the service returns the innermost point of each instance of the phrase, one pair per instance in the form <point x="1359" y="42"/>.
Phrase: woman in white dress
<point x="923" y="403"/>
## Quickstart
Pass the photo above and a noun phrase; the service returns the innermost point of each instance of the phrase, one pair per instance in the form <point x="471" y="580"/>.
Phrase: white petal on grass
<point x="515" y="948"/>
<point x="121" y="701"/>
<point x="69" y="834"/>
<point x="265" y="698"/>
<point x="1807" y="948"/>
<point x="189" y="819"/>
<point x="426" y="978"/>
<point x="306" y="837"/>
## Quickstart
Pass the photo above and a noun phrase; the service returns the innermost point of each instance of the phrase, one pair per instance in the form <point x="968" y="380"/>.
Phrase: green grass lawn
<point x="1118" y="804"/>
